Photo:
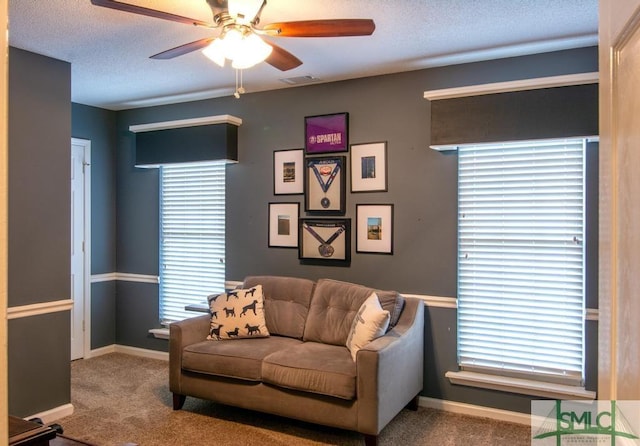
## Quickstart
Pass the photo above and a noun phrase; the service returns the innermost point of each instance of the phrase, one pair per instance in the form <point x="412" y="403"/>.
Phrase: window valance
<point x="556" y="112"/>
<point x="187" y="141"/>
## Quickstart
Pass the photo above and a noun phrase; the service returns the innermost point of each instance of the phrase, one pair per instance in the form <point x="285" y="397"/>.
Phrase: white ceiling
<point x="109" y="50"/>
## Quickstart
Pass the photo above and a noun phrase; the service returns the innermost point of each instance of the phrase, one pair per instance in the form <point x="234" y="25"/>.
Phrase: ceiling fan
<point x="240" y="39"/>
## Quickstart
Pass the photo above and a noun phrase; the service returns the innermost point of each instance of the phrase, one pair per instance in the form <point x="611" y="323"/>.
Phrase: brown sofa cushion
<point x="286" y="303"/>
<point x="333" y="307"/>
<point x="313" y="367"/>
<point x="241" y="358"/>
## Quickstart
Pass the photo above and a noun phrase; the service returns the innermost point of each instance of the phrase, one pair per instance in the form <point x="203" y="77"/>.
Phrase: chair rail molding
<point x="39" y="308"/>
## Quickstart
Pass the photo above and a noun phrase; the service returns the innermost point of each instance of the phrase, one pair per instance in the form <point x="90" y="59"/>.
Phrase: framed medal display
<point x="325" y="190"/>
<point x="325" y="240"/>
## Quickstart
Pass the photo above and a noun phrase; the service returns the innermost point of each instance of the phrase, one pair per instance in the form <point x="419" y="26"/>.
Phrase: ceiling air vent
<point x="300" y="80"/>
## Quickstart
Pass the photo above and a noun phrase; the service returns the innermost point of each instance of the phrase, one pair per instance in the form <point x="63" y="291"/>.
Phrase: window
<point x="192" y="231"/>
<point x="521" y="259"/>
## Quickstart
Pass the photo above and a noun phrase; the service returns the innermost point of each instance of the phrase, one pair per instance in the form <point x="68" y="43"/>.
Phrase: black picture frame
<point x="325" y="241"/>
<point x="283" y="225"/>
<point x="326" y="133"/>
<point x="325" y="185"/>
<point x="374" y="229"/>
<point x="369" y="167"/>
<point x="288" y="172"/>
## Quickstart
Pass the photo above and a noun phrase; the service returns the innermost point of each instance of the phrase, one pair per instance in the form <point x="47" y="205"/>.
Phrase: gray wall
<point x="39" y="229"/>
<point x="422" y="186"/>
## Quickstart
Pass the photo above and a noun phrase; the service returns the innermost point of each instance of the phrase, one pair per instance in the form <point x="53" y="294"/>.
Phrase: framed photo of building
<point x="325" y="240"/>
<point x="283" y="225"/>
<point x="288" y="172"/>
<point x="326" y="133"/>
<point x="369" y="167"/>
<point x="325" y="185"/>
<point x="374" y="228"/>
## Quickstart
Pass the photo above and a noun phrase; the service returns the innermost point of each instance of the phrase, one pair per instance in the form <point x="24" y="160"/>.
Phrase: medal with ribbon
<point x="325" y="249"/>
<point x="321" y="169"/>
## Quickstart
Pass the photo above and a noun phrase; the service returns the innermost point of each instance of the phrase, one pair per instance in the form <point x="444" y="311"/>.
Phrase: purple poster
<point x="326" y="133"/>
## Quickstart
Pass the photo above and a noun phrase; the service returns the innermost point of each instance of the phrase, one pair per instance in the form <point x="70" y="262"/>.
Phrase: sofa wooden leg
<point x="370" y="440"/>
<point x="414" y="403"/>
<point x="178" y="401"/>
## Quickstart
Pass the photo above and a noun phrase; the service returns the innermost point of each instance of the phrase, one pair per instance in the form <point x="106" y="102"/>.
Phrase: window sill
<point x="518" y="385"/>
<point x="160" y="333"/>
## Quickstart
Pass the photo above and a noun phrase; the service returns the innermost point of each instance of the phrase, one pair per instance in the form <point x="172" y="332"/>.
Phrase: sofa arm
<point x="181" y="334"/>
<point x="390" y="370"/>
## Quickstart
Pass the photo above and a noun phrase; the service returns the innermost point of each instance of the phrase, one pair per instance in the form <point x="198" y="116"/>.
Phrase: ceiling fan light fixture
<point x="244" y="50"/>
<point x="215" y="52"/>
<point x="232" y="42"/>
<point x="253" y="51"/>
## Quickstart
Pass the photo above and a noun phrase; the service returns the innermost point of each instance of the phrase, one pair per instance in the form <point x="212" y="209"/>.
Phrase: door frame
<point x="4" y="209"/>
<point x="87" y="243"/>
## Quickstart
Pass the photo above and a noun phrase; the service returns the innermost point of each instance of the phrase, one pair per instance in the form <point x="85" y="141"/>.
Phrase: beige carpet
<point x="122" y="399"/>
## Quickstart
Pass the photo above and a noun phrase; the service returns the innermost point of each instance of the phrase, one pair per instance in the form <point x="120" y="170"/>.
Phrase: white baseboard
<point x="476" y="411"/>
<point x="133" y="351"/>
<point x="55" y="414"/>
<point x="101" y="351"/>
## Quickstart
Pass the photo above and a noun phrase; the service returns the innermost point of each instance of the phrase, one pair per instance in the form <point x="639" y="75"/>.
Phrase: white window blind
<point x="192" y="248"/>
<point x="520" y="259"/>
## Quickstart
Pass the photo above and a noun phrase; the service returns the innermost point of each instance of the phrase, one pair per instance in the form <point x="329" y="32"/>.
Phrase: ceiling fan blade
<point x="322" y="28"/>
<point x="282" y="59"/>
<point x="113" y="4"/>
<point x="183" y="49"/>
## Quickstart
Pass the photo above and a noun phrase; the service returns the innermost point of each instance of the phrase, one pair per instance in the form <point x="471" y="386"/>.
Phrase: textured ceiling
<point x="109" y="50"/>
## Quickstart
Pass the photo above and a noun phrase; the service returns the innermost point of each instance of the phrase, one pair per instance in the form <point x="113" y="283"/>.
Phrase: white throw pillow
<point x="237" y="314"/>
<point x="370" y="323"/>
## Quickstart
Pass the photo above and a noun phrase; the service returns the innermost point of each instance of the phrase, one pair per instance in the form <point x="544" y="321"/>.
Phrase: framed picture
<point x="369" y="167"/>
<point x="374" y="228"/>
<point x="325" y="240"/>
<point x="288" y="172"/>
<point x="283" y="225"/>
<point x="326" y="133"/>
<point x="325" y="188"/>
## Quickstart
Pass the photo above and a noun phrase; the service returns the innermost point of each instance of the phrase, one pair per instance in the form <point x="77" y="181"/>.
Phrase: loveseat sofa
<point x="303" y="368"/>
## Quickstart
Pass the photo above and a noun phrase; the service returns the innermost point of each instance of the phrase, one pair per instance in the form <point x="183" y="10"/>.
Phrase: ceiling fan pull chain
<point x="239" y="87"/>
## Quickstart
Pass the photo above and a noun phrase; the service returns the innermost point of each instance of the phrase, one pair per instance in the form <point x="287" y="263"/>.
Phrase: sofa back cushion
<point x="393" y="302"/>
<point x="333" y="307"/>
<point x="286" y="303"/>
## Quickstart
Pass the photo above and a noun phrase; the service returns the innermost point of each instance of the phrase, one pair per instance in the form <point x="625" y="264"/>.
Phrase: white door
<point x="80" y="265"/>
<point x="619" y="253"/>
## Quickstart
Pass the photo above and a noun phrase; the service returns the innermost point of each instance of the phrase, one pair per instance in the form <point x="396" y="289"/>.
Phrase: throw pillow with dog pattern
<point x="237" y="314"/>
